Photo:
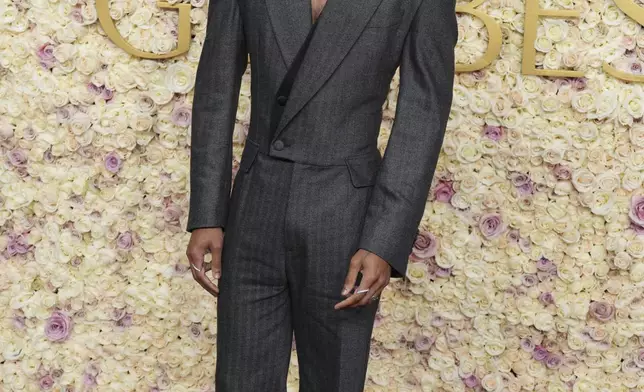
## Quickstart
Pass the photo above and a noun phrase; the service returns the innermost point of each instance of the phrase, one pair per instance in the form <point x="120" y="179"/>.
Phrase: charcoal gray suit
<point x="312" y="187"/>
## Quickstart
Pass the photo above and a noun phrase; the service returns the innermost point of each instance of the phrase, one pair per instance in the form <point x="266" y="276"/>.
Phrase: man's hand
<point x="375" y="277"/>
<point x="202" y="241"/>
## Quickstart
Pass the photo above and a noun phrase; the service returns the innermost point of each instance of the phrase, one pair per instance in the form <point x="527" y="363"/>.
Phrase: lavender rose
<point x="425" y="246"/>
<point x="17" y="157"/>
<point x="124" y="240"/>
<point x="46" y="382"/>
<point x="527" y="344"/>
<point x="112" y="162"/>
<point x="637" y="210"/>
<point x="639" y="358"/>
<point x="181" y="115"/>
<point x="546" y="298"/>
<point x="539" y="353"/>
<point x="491" y="225"/>
<point x="58" y="327"/>
<point x="444" y="191"/>
<point x="552" y="361"/>
<point x="423" y="343"/>
<point x="471" y="381"/>
<point x="602" y="311"/>
<point x="493" y="132"/>
<point x="562" y="172"/>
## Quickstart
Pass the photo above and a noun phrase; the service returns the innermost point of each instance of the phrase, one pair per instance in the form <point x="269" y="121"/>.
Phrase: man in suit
<point x="315" y="210"/>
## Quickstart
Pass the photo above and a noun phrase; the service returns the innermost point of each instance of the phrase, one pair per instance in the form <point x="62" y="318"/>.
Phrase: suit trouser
<point x="291" y="231"/>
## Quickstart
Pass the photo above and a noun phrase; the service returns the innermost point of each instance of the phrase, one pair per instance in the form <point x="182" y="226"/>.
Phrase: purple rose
<point x="471" y="381"/>
<point x="46" y="382"/>
<point x="562" y="172"/>
<point x="527" y="344"/>
<point x="639" y="358"/>
<point x="89" y="380"/>
<point x="425" y="246"/>
<point x="125" y="321"/>
<point x="17" y="244"/>
<point x="552" y="361"/>
<point x="46" y="56"/>
<point x="544" y="264"/>
<point x="125" y="240"/>
<point x="578" y="83"/>
<point x="181" y="115"/>
<point x="519" y="179"/>
<point x="17" y="157"/>
<point x="444" y="191"/>
<point x="172" y="213"/>
<point x="491" y="225"/>
<point x="423" y="343"/>
<point x="443" y="272"/>
<point x="94" y="89"/>
<point x="529" y="280"/>
<point x="546" y="298"/>
<point x="112" y="162"/>
<point x="602" y="311"/>
<point x="58" y="327"/>
<point x="107" y="94"/>
<point x="636" y="212"/>
<point x="493" y="132"/>
<point x="539" y="353"/>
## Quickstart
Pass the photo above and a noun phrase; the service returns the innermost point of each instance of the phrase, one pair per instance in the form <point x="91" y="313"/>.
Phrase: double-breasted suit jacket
<point x="334" y="111"/>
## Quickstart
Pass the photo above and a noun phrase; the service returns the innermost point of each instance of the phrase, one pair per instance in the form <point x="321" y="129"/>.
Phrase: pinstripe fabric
<point x="312" y="187"/>
<point x="334" y="108"/>
<point x="291" y="231"/>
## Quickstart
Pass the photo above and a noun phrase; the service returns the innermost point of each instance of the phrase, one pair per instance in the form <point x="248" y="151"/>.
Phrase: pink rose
<point x="491" y="225"/>
<point x="425" y="246"/>
<point x="124" y="240"/>
<point x="444" y="191"/>
<point x="58" y="327"/>
<point x="602" y="311"/>
<point x="493" y="132"/>
<point x="637" y="210"/>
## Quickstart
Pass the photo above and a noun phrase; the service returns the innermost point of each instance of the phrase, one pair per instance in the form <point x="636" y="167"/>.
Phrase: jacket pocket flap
<point x="363" y="169"/>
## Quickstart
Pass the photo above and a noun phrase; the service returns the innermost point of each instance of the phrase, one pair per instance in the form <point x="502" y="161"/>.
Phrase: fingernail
<point x="345" y="291"/>
<point x="217" y="275"/>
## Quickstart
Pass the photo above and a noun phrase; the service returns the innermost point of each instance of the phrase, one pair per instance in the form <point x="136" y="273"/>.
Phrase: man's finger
<point x="216" y="260"/>
<point x="352" y="275"/>
<point x="196" y="262"/>
<point x="363" y="289"/>
<point x="376" y="289"/>
<point x="206" y="283"/>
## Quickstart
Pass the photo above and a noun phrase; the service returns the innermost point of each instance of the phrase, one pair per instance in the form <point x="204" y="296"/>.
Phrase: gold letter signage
<point x="183" y="37"/>
<point x="494" y="34"/>
<point x="532" y="14"/>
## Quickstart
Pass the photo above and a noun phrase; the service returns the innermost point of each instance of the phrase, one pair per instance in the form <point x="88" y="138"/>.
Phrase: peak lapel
<point x="291" y="20"/>
<point x="339" y="26"/>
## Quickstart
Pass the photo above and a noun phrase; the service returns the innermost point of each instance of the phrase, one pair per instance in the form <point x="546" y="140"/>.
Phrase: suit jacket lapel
<point x="339" y="26"/>
<point x="291" y="20"/>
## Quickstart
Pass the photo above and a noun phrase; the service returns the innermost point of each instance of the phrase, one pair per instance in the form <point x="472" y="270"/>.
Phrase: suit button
<point x="281" y="100"/>
<point x="279" y="145"/>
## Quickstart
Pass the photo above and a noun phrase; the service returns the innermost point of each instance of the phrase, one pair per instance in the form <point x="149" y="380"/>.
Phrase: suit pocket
<point x="248" y="155"/>
<point x="363" y="169"/>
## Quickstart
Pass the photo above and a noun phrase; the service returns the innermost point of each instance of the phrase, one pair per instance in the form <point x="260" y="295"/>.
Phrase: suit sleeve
<point x="405" y="175"/>
<point x="221" y="66"/>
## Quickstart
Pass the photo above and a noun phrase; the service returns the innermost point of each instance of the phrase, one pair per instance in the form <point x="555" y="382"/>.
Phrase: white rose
<point x="179" y="78"/>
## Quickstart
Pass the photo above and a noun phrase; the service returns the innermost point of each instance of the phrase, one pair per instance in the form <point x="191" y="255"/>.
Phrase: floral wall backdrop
<point x="528" y="272"/>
